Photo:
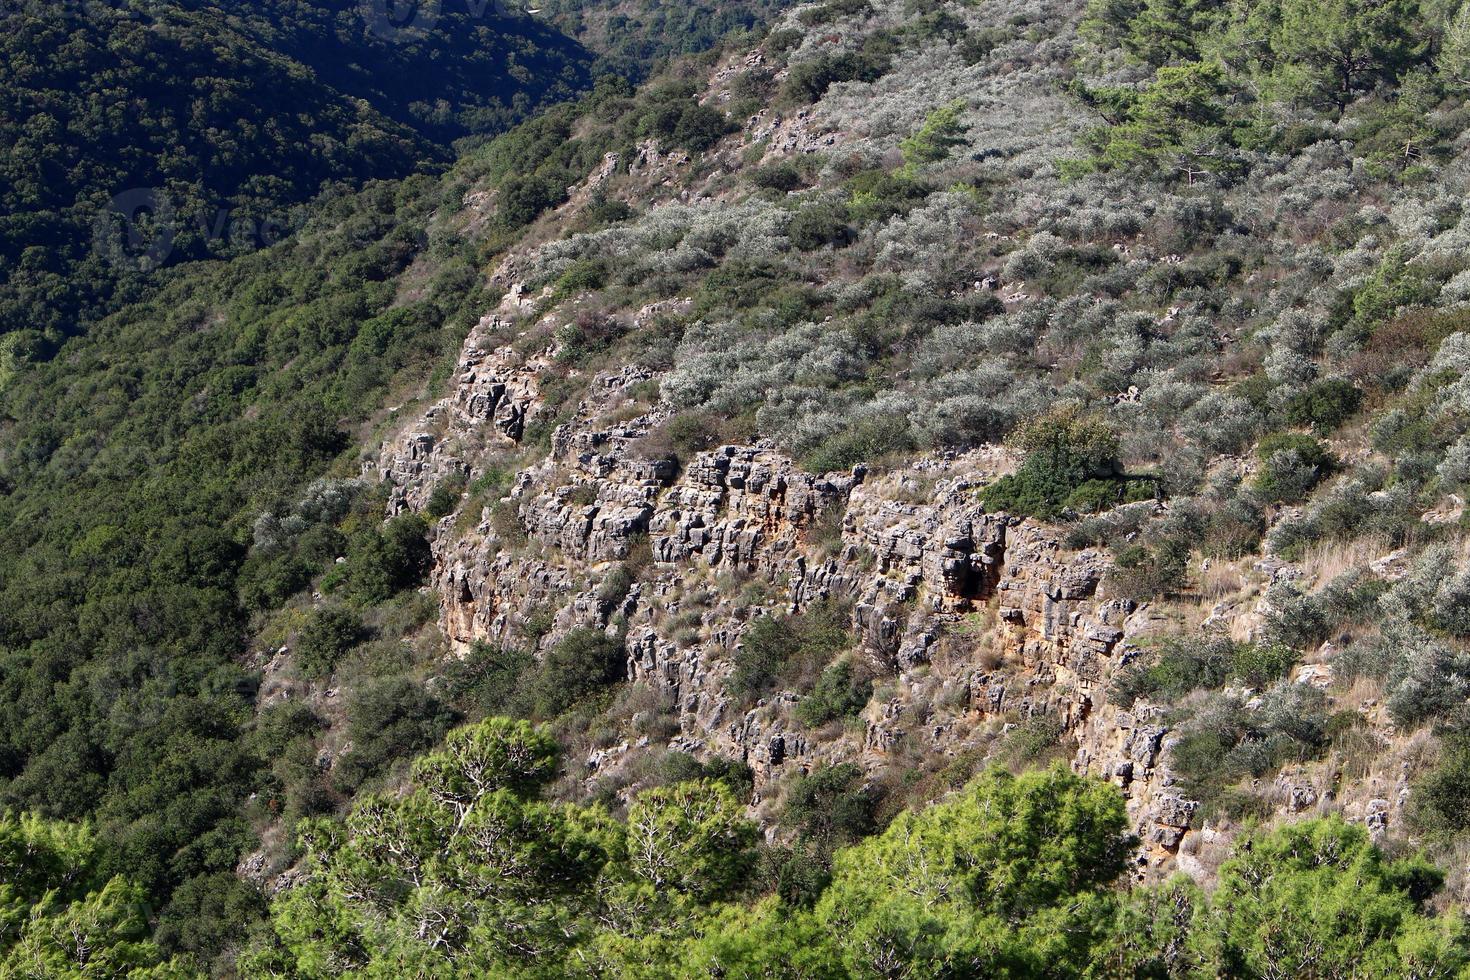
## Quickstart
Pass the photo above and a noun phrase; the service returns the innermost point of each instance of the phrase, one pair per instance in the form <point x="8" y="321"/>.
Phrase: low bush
<point x="1325" y="405"/>
<point x="326" y="637"/>
<point x="782" y="177"/>
<point x="1291" y="465"/>
<point x="820" y="224"/>
<point x="1182" y="664"/>
<point x="382" y="562"/>
<point x="1149" y="570"/>
<point x="584" y="662"/>
<point x="772" y="650"/>
<point x="841" y="692"/>
<point x="1064" y="449"/>
<point x="865" y="441"/>
<point x="681" y="767"/>
<point x="809" y="80"/>
<point x="387" y="720"/>
<point x="1031" y="743"/>
<point x="445" y="497"/>
<point x="1440" y="802"/>
<point x="1224" y="740"/>
<point x="489" y="681"/>
<point x="830" y="808"/>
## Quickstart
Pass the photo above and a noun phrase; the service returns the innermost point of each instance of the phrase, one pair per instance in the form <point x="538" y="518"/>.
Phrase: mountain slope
<point x="144" y="134"/>
<point x="925" y="388"/>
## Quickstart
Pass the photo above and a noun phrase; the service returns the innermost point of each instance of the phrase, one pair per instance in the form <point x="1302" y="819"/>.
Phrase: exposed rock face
<point x="740" y="505"/>
<point x="977" y="620"/>
<point x="494" y="394"/>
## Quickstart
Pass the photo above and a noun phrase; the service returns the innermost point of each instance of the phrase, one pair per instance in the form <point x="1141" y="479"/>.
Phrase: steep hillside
<point x="928" y="390"/>
<point x="630" y="36"/>
<point x="1218" y="563"/>
<point x="150" y="468"/>
<point x="137" y="135"/>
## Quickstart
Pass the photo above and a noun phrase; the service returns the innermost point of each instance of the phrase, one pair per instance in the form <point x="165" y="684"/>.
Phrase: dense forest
<point x="1225" y="248"/>
<point x="634" y="39"/>
<point x="134" y="558"/>
<point x="143" y="133"/>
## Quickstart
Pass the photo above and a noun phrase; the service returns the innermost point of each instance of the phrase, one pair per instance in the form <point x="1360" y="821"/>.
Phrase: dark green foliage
<point x="1325" y="405"/>
<point x="841" y="692"/>
<point x="582" y="275"/>
<point x="1064" y="451"/>
<point x="387" y="720"/>
<point x="692" y="432"/>
<point x="774" y="649"/>
<point x="326" y="637"/>
<point x="522" y="199"/>
<point x="1306" y="620"/>
<point x="878" y="194"/>
<point x="669" y="114"/>
<point x="615" y="588"/>
<point x="631" y="40"/>
<point x="866" y="441"/>
<point x="1098" y="495"/>
<point x="739" y="285"/>
<point x="285" y="738"/>
<point x="794" y="874"/>
<point x="783" y="176"/>
<point x="604" y="211"/>
<point x="1440" y="803"/>
<point x="490" y="680"/>
<point x="191" y="417"/>
<point x="820" y="224"/>
<point x="382" y="562"/>
<point x="810" y="80"/>
<point x="681" y="767"/>
<point x="830" y="808"/>
<point x="210" y="914"/>
<point x="495" y="680"/>
<point x="1149" y="570"/>
<point x="832" y="10"/>
<point x="445" y="498"/>
<point x="1030" y="743"/>
<point x="210" y="124"/>
<point x="1225" y="741"/>
<point x="699" y="127"/>
<point x="1184" y="664"/>
<point x="583" y="663"/>
<point x="766" y="646"/>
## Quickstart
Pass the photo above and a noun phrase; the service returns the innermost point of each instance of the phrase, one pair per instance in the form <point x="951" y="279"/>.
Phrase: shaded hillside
<point x="632" y="36"/>
<point x="144" y="134"/>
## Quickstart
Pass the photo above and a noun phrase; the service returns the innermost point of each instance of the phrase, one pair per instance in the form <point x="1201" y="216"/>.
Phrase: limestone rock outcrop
<point x="974" y="621"/>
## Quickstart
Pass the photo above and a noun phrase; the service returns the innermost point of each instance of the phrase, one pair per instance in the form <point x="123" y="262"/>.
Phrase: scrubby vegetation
<point x="472" y="871"/>
<point x="1200" y="266"/>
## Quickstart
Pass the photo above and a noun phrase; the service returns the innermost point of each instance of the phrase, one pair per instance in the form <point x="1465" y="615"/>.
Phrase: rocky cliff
<point x="974" y="621"/>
